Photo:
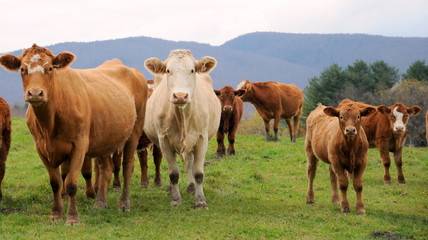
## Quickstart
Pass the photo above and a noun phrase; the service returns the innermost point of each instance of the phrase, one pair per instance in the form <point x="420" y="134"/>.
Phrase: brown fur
<point x="78" y="114"/>
<point x="232" y="109"/>
<point x="275" y="100"/>
<point x="380" y="134"/>
<point x="5" y="137"/>
<point x="334" y="135"/>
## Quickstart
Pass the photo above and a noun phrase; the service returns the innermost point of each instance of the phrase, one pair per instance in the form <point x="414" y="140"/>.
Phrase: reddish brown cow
<point x="387" y="131"/>
<point x="5" y="137"/>
<point x="334" y="135"/>
<point x="275" y="100"/>
<point x="232" y="108"/>
<point x="143" y="143"/>
<point x="74" y="115"/>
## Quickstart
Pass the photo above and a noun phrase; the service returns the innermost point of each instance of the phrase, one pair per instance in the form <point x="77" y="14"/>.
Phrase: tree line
<point x="374" y="83"/>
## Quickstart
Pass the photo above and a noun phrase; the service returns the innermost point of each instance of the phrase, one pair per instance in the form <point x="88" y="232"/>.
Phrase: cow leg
<point x="87" y="175"/>
<point x="290" y="128"/>
<point x="276" y="126"/>
<point x="358" y="187"/>
<point x="267" y="129"/>
<point x="142" y="157"/>
<point x="117" y="161"/>
<point x="157" y="159"/>
<point x="2" y="170"/>
<point x="189" y="159"/>
<point x="128" y="168"/>
<point x="174" y="171"/>
<point x="198" y="172"/>
<point x="386" y="161"/>
<point x="76" y="163"/>
<point x="231" y="139"/>
<point x="342" y="178"/>
<point x="296" y="121"/>
<point x="105" y="165"/>
<point x="398" y="163"/>
<point x="311" y="169"/>
<point x="97" y="175"/>
<point x="333" y="182"/>
<point x="65" y="168"/>
<point x="221" y="150"/>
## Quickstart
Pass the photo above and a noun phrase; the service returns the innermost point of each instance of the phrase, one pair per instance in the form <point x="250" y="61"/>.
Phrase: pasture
<point x="258" y="194"/>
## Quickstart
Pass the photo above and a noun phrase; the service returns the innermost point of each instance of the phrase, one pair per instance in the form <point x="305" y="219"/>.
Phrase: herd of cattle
<point x="110" y="112"/>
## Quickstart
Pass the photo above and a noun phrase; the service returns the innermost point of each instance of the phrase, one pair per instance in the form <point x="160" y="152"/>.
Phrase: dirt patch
<point x="8" y="210"/>
<point x="389" y="236"/>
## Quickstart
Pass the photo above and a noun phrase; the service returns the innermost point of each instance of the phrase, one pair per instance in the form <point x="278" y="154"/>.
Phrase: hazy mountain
<point x="261" y="56"/>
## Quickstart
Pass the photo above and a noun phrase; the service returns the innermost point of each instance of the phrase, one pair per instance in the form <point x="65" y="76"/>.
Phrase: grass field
<point x="258" y="194"/>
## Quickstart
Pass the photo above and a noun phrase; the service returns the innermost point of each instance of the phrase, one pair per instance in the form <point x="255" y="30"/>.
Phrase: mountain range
<point x="259" y="56"/>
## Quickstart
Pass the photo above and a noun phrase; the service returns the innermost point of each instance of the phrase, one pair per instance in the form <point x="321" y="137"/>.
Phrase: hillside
<point x="261" y="56"/>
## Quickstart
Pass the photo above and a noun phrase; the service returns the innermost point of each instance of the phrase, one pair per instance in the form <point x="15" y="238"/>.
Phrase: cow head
<point x="37" y="66"/>
<point x="180" y="69"/>
<point x="349" y="116"/>
<point x="399" y="115"/>
<point x="227" y="97"/>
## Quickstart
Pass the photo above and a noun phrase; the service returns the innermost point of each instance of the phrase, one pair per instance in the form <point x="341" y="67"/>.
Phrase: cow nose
<point x="180" y="97"/>
<point x="35" y="95"/>
<point x="350" y="131"/>
<point x="227" y="108"/>
<point x="399" y="128"/>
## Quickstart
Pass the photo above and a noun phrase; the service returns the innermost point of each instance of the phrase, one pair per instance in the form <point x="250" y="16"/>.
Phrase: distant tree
<point x="384" y="75"/>
<point x="417" y="70"/>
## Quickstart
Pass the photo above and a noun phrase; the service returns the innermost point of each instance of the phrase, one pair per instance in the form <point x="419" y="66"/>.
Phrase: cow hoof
<point x="158" y="182"/>
<point x="72" y="221"/>
<point x="144" y="185"/>
<point x="175" y="202"/>
<point x="90" y="193"/>
<point x="100" y="205"/>
<point x="56" y="218"/>
<point x="310" y="201"/>
<point x="191" y="189"/>
<point x="124" y="206"/>
<point x="387" y="182"/>
<point x="201" y="205"/>
<point x="401" y="181"/>
<point x="345" y="210"/>
<point x="361" y="212"/>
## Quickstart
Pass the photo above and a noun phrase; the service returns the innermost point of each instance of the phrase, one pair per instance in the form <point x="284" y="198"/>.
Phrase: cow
<point x="5" y="137"/>
<point x="231" y="113"/>
<point x="77" y="114"/>
<point x="387" y="131"/>
<point x="143" y="143"/>
<point x="274" y="100"/>
<point x="334" y="136"/>
<point x="183" y="113"/>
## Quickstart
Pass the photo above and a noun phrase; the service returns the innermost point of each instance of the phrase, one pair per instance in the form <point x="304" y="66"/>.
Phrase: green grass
<point x="258" y="194"/>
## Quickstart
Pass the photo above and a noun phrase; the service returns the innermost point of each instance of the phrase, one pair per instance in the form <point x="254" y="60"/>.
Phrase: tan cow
<point x="334" y="136"/>
<point x="183" y="113"/>
<point x="76" y="114"/>
<point x="5" y="137"/>
<point x="274" y="100"/>
<point x="387" y="131"/>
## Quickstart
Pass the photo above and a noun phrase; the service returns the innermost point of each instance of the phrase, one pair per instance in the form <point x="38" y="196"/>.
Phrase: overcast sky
<point x="47" y="22"/>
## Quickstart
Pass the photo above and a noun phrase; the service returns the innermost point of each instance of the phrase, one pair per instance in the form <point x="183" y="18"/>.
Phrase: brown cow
<point x="143" y="143"/>
<point x="5" y="137"/>
<point x="79" y="114"/>
<point x="387" y="131"/>
<point x="232" y="108"/>
<point x="334" y="135"/>
<point x="275" y="100"/>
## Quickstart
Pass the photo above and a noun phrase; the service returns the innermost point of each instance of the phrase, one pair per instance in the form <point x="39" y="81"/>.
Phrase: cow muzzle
<point x="35" y="96"/>
<point x="350" y="131"/>
<point x="180" y="98"/>
<point x="399" y="129"/>
<point x="227" y="108"/>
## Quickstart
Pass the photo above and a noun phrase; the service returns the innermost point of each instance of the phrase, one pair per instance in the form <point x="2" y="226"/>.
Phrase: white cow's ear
<point x="205" y="64"/>
<point x="10" y="62"/>
<point x="63" y="59"/>
<point x="155" y="66"/>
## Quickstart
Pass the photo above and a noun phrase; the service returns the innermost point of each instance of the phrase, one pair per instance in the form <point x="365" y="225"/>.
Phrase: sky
<point x="47" y="22"/>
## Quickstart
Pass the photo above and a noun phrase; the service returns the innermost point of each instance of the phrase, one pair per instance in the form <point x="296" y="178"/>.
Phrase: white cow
<point x="182" y="115"/>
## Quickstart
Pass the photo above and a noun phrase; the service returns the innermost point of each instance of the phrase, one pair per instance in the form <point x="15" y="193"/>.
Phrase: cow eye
<point x="167" y="71"/>
<point x="192" y="71"/>
<point x="50" y="69"/>
<point x="341" y="117"/>
<point x="22" y="70"/>
<point x="358" y="117"/>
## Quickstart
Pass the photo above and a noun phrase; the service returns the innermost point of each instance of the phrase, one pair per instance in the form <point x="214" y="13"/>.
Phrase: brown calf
<point x="387" y="131"/>
<point x="334" y="135"/>
<point x="5" y="137"/>
<point x="231" y="113"/>
<point x="274" y="100"/>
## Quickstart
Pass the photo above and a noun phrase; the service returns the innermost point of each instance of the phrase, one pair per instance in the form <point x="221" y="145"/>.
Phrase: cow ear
<point x="155" y="66"/>
<point x="63" y="60"/>
<point x="415" y="110"/>
<point x="240" y="92"/>
<point x="365" y="112"/>
<point x="217" y="92"/>
<point x="331" y="111"/>
<point x="384" y="109"/>
<point x="205" y="64"/>
<point x="10" y="62"/>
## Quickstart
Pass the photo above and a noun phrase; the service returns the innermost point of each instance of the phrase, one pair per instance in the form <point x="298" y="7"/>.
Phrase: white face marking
<point x="35" y="58"/>
<point x="240" y="85"/>
<point x="37" y="68"/>
<point x="151" y="86"/>
<point x="398" y="124"/>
